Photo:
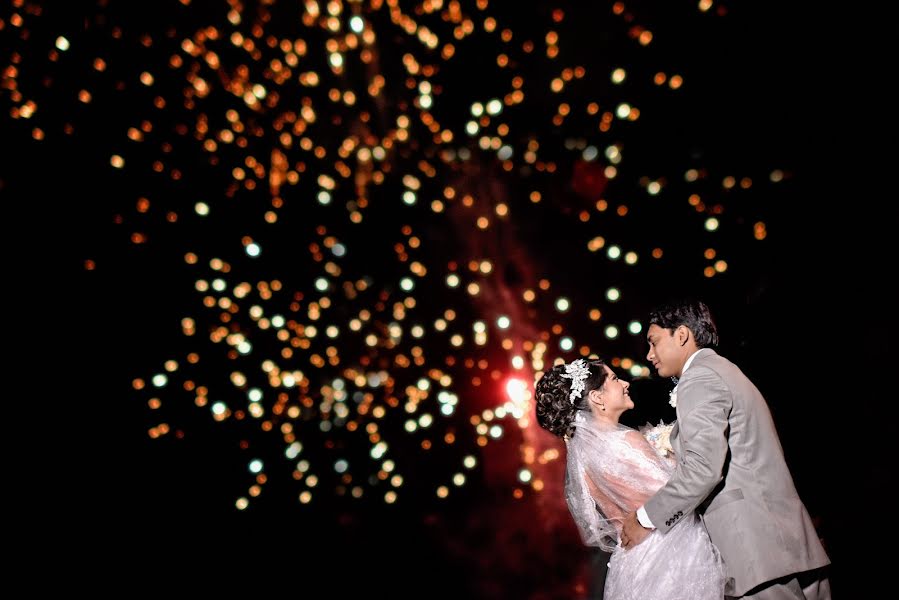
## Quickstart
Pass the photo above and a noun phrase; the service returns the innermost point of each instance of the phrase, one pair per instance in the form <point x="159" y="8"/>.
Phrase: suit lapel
<point x="675" y="431"/>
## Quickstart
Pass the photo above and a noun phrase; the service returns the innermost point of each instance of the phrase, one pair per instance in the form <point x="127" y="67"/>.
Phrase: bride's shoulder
<point x="627" y="433"/>
<point x="631" y="434"/>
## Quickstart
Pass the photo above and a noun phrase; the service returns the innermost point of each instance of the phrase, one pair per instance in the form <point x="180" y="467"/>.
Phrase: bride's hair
<point x="555" y="410"/>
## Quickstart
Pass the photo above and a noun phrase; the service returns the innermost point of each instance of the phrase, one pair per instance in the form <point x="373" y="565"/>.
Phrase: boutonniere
<point x="672" y="396"/>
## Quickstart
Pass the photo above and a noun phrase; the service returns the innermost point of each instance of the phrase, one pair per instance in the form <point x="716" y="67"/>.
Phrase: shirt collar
<point x="689" y="362"/>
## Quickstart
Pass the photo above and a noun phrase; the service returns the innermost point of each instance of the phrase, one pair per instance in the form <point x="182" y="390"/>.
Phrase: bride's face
<point x="615" y="392"/>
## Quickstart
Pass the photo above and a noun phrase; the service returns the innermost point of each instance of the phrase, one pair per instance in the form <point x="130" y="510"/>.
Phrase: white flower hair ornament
<point x="577" y="372"/>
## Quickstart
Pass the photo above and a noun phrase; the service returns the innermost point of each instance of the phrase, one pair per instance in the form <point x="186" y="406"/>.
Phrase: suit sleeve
<point x="704" y="405"/>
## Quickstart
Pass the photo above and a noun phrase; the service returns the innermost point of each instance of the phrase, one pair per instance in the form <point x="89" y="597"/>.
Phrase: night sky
<point x="284" y="262"/>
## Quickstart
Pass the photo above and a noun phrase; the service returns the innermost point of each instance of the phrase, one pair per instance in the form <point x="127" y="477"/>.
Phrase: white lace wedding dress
<point x="612" y="470"/>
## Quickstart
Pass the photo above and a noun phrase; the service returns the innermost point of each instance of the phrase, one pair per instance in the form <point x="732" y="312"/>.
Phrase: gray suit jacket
<point x="731" y="469"/>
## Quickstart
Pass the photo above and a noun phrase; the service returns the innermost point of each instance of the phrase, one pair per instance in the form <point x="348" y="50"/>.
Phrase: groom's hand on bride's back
<point x="632" y="532"/>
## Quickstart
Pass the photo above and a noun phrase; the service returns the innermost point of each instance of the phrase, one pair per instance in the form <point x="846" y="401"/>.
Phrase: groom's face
<point x="665" y="354"/>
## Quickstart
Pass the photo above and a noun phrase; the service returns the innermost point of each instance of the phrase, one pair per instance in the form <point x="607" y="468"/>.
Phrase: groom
<point x="730" y="467"/>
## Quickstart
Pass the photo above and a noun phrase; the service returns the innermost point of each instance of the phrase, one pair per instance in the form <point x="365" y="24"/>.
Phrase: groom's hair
<point x="692" y="314"/>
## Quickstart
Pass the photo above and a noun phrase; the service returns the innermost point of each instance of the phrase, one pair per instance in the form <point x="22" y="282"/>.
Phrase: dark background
<point x="805" y="316"/>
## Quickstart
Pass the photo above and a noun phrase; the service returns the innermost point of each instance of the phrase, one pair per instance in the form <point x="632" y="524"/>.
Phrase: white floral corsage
<point x="659" y="437"/>
<point x="672" y="397"/>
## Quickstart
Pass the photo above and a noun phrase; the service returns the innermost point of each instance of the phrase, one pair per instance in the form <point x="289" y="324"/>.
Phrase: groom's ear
<point x="683" y="334"/>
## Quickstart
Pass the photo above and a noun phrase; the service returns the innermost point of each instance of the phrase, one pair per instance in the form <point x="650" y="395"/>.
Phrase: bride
<point x="611" y="471"/>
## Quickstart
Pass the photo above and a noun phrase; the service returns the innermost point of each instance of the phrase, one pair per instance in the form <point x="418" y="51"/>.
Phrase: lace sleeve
<point x="655" y="466"/>
<point x="585" y="499"/>
<point x="609" y="473"/>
